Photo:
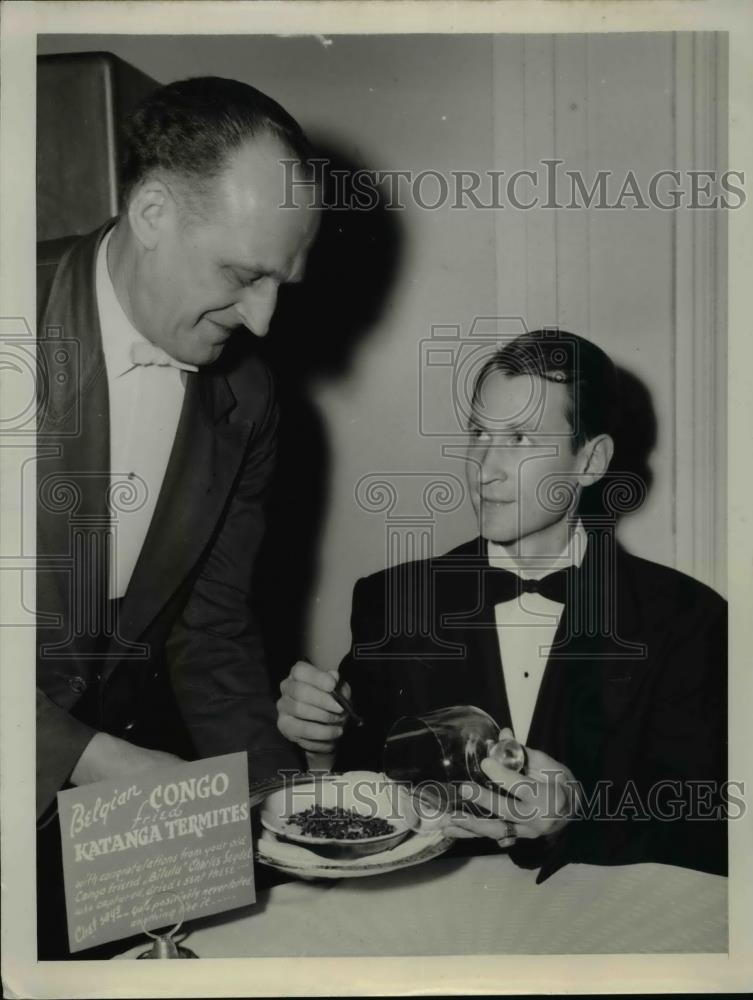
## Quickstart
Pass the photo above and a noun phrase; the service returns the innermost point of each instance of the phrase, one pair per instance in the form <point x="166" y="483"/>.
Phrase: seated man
<point x="611" y="669"/>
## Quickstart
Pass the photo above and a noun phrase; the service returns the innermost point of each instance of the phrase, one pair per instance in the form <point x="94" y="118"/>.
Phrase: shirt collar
<point x="572" y="555"/>
<point x="118" y="333"/>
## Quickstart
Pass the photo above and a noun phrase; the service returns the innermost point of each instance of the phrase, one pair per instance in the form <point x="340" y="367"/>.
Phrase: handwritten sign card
<point x="155" y="848"/>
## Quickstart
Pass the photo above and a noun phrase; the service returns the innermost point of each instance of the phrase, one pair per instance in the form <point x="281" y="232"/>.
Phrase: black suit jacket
<point x="633" y="694"/>
<point x="187" y="608"/>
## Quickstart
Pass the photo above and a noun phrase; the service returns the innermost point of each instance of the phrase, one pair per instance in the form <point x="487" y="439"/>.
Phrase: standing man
<point x="156" y="443"/>
<point x="611" y="669"/>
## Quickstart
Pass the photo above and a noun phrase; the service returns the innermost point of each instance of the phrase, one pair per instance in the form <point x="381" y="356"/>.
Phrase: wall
<point x="621" y="278"/>
<point x="646" y="284"/>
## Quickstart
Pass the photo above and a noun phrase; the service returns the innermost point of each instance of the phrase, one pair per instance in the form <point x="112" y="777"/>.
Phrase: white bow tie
<point x="145" y="353"/>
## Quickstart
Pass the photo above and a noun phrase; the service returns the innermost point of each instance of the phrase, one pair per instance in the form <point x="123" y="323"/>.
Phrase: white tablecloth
<point x="481" y="905"/>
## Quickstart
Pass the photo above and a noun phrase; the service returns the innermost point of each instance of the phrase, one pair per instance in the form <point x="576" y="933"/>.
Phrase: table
<point x="479" y="905"/>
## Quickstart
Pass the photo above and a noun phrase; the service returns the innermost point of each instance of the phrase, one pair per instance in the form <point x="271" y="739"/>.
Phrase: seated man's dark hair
<point x="558" y="356"/>
<point x="189" y="129"/>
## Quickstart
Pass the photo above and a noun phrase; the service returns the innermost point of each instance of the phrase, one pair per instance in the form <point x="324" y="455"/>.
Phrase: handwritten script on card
<point x="158" y="847"/>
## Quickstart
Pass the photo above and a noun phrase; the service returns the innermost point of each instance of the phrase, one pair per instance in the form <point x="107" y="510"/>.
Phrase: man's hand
<point x="541" y="802"/>
<point x="307" y="714"/>
<point x="106" y="756"/>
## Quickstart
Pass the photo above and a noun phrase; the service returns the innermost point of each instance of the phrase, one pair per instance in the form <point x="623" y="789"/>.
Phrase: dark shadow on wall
<point x="316" y="328"/>
<point x="627" y="485"/>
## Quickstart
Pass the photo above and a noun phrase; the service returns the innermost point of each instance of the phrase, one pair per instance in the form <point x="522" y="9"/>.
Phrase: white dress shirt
<point x="145" y="405"/>
<point x="526" y="627"/>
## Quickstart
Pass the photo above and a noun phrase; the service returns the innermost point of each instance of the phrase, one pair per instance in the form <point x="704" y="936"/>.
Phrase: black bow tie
<point x="502" y="585"/>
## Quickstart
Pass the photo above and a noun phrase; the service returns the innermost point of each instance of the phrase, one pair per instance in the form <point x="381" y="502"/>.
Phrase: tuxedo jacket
<point x="185" y="625"/>
<point x="632" y="700"/>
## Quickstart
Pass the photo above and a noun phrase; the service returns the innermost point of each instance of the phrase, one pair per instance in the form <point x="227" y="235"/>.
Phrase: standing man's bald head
<point x="203" y="242"/>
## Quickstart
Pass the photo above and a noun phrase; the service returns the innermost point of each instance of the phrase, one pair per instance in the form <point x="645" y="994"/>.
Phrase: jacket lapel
<point x="203" y="464"/>
<point x="594" y="664"/>
<point x="73" y="454"/>
<point x="74" y="461"/>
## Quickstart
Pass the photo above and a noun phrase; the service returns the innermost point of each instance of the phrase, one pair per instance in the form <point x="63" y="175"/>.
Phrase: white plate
<point x="295" y="860"/>
<point x="366" y="793"/>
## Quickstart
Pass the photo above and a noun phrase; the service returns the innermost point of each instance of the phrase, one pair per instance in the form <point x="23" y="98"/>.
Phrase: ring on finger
<point x="509" y="834"/>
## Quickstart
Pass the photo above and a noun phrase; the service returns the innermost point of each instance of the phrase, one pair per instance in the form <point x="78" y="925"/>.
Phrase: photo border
<point x="23" y="976"/>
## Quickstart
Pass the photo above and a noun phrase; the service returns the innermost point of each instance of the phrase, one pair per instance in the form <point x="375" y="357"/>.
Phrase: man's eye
<point x="521" y="439"/>
<point x="239" y="280"/>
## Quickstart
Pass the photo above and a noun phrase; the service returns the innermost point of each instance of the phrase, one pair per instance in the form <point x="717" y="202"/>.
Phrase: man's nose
<point x="256" y="306"/>
<point x="493" y="464"/>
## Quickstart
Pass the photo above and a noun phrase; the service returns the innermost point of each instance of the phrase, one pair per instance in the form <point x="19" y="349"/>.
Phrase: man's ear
<point x="151" y="207"/>
<point x="598" y="454"/>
